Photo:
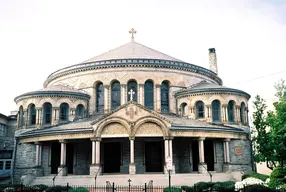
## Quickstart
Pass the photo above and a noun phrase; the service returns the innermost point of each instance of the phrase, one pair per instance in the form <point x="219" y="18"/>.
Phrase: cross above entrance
<point x="132" y="32"/>
<point x="131" y="93"/>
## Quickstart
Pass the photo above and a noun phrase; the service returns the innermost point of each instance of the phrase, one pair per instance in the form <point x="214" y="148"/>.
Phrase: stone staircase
<point x="138" y="179"/>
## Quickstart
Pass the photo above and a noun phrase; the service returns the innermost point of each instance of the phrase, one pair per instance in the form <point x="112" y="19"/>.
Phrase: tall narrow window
<point x="115" y="95"/>
<point x="216" y="111"/>
<point x="230" y="111"/>
<point x="64" y="112"/>
<point x="99" y="97"/>
<point x="47" y="113"/>
<point x="200" y="110"/>
<point x="149" y="94"/>
<point x="21" y="116"/>
<point x="132" y="85"/>
<point x="242" y="113"/>
<point x="79" y="111"/>
<point x="165" y="96"/>
<point x="183" y="109"/>
<point x="32" y="114"/>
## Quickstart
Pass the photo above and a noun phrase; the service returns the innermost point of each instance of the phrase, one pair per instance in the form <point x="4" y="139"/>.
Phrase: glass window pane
<point x="99" y="98"/>
<point x="115" y="95"/>
<point x="8" y="165"/>
<point x="132" y="85"/>
<point x="165" y="96"/>
<point x="149" y="94"/>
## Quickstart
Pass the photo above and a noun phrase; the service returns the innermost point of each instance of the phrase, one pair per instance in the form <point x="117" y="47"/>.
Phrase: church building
<point x="132" y="111"/>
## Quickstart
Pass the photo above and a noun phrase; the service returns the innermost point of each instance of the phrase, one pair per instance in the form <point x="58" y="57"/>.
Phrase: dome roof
<point x="132" y="50"/>
<point x="55" y="90"/>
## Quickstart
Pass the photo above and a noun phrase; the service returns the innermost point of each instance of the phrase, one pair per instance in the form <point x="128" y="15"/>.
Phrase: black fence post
<point x="21" y="187"/>
<point x="67" y="187"/>
<point x="113" y="187"/>
<point x="145" y="187"/>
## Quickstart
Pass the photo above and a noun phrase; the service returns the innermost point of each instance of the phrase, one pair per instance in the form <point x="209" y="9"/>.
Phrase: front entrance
<point x="195" y="155"/>
<point x="153" y="156"/>
<point x="55" y="157"/>
<point x="69" y="157"/>
<point x="112" y="157"/>
<point x="209" y="154"/>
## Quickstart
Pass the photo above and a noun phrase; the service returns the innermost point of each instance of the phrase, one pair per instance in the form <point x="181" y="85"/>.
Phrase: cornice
<point x="148" y="63"/>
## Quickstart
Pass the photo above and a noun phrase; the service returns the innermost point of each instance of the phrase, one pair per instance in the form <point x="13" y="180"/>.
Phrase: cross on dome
<point x="132" y="32"/>
<point x="131" y="93"/>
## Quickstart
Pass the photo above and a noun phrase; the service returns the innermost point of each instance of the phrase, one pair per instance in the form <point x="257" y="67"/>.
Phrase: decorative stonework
<point x="238" y="150"/>
<point x="113" y="129"/>
<point x="149" y="129"/>
<point x="131" y="111"/>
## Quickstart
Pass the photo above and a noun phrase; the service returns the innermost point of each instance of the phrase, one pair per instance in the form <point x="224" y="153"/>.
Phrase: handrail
<point x="208" y="172"/>
<point x="56" y="176"/>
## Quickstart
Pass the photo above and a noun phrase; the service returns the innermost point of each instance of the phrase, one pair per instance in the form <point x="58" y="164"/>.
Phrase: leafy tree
<point x="269" y="131"/>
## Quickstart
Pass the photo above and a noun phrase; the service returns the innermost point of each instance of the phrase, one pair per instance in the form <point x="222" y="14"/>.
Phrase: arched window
<point x="64" y="112"/>
<point x="242" y="113"/>
<point x="79" y="111"/>
<point x="47" y="113"/>
<point x="132" y="85"/>
<point x="115" y="95"/>
<point x="99" y="97"/>
<point x="32" y="114"/>
<point x="200" y="110"/>
<point x="21" y="116"/>
<point x="183" y="109"/>
<point x="149" y="94"/>
<point x="230" y="111"/>
<point x="216" y="111"/>
<point x="165" y="96"/>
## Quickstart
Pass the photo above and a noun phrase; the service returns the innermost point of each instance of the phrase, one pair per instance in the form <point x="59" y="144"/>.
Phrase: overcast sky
<point x="38" y="37"/>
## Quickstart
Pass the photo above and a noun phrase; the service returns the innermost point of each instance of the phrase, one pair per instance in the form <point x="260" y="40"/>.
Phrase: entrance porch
<point x="140" y="155"/>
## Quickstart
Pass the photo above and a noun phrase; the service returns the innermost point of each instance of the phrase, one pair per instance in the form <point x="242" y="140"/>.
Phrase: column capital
<point x="224" y="105"/>
<point x="123" y="85"/>
<point x="132" y="138"/>
<point x="201" y="138"/>
<point x="226" y="139"/>
<point x="208" y="105"/>
<point x="237" y="106"/>
<point x="63" y="141"/>
<point x="38" y="108"/>
<point x="55" y="108"/>
<point x="106" y="86"/>
<point x="37" y="143"/>
<point x="141" y="84"/>
<point x="157" y="85"/>
<point x="168" y="137"/>
<point x="95" y="139"/>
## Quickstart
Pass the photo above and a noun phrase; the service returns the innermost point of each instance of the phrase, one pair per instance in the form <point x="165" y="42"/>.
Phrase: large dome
<point x="132" y="50"/>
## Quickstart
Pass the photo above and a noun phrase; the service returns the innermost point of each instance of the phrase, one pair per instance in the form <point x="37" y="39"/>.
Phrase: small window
<point x="8" y="165"/>
<point x="7" y="154"/>
<point x="1" y="165"/>
<point x="200" y="110"/>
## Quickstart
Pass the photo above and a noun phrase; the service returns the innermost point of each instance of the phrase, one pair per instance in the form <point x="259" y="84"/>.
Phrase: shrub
<point x="201" y="186"/>
<point x="255" y="175"/>
<point x="256" y="188"/>
<point x="58" y="188"/>
<point x="41" y="187"/>
<point x="79" y="189"/>
<point x="172" y="189"/>
<point x="227" y="186"/>
<point x="277" y="177"/>
<point x="188" y="188"/>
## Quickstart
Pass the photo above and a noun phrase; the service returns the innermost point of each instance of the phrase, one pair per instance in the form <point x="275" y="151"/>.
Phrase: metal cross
<point x="132" y="32"/>
<point x="131" y="92"/>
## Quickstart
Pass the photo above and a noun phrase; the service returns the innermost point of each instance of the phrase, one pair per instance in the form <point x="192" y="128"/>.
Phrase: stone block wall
<point x="219" y="156"/>
<point x="82" y="157"/>
<point x="182" y="158"/>
<point x="46" y="158"/>
<point x="125" y="151"/>
<point x="139" y="156"/>
<point x="25" y="161"/>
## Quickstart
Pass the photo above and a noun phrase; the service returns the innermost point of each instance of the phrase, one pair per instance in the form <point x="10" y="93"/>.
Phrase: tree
<point x="269" y="131"/>
<point x="261" y="138"/>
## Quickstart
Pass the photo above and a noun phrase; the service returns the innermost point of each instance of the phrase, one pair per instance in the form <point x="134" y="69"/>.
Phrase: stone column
<point x="172" y="100"/>
<point x="141" y="94"/>
<point x="237" y="113"/>
<point x="123" y="91"/>
<point x="202" y="165"/>
<point x="157" y="99"/>
<point x="71" y="114"/>
<point x="62" y="169"/>
<point x="106" y="99"/>
<point x="171" y="154"/>
<point x="132" y="167"/>
<point x="39" y="117"/>
<point x="55" y="115"/>
<point x="208" y="113"/>
<point x="26" y="118"/>
<point x="226" y="155"/>
<point x="39" y="169"/>
<point x="95" y="167"/>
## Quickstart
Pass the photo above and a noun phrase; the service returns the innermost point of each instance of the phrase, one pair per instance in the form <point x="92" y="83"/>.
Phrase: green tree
<point x="280" y="89"/>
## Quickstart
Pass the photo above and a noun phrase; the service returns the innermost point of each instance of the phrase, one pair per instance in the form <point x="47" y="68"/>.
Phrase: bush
<point x="79" y="189"/>
<point x="173" y="189"/>
<point x="201" y="186"/>
<point x="256" y="188"/>
<point x="41" y="187"/>
<point x="255" y="175"/>
<point x="227" y="186"/>
<point x="277" y="177"/>
<point x="58" y="188"/>
<point x="188" y="188"/>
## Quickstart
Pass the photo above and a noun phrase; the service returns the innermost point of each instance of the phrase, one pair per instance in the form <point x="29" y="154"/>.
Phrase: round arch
<point x="100" y="127"/>
<point x="151" y="119"/>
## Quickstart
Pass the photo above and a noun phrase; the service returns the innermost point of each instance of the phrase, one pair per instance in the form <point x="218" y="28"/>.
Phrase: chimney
<point x="212" y="60"/>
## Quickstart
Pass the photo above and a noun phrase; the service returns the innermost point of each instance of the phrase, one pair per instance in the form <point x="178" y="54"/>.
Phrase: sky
<point x="40" y="37"/>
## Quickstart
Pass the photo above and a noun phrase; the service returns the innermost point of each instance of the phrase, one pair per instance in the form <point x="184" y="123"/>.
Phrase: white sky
<point x="39" y="37"/>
